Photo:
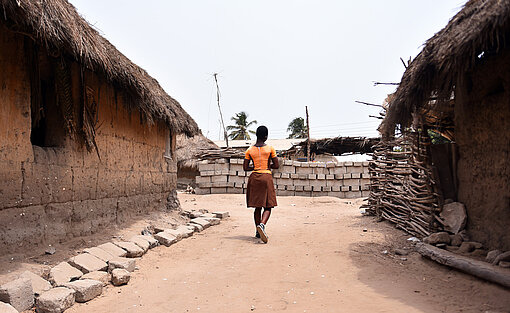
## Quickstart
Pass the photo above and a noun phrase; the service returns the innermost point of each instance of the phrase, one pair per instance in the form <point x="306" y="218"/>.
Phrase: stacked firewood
<point x="225" y="153"/>
<point x="402" y="188"/>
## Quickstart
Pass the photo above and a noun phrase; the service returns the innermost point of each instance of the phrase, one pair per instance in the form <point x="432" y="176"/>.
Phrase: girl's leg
<point x="257" y="216"/>
<point x="265" y="216"/>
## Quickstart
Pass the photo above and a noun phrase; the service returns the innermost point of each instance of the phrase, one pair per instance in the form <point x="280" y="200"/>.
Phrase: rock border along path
<point x="71" y="281"/>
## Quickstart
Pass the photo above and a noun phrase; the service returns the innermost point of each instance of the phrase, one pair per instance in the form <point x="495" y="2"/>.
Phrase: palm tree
<point x="240" y="131"/>
<point x="297" y="128"/>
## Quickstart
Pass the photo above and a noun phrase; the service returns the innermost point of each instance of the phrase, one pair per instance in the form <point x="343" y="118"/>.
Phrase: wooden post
<point x="308" y="135"/>
<point x="219" y="108"/>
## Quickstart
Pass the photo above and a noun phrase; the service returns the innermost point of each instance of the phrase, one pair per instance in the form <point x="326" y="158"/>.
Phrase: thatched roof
<point x="482" y="26"/>
<point x="57" y="26"/>
<point x="336" y="146"/>
<point x="189" y="148"/>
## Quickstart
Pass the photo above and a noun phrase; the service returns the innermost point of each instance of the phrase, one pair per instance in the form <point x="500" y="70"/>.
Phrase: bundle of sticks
<point x="225" y="153"/>
<point x="402" y="188"/>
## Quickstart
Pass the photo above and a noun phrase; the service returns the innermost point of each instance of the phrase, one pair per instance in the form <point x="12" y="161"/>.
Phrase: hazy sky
<point x="273" y="57"/>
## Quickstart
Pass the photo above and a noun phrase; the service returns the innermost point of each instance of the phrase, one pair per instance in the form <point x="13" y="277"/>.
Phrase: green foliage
<point x="297" y="128"/>
<point x="436" y="137"/>
<point x="240" y="130"/>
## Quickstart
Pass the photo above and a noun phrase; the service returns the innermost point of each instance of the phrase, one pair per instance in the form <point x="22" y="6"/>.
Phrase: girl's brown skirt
<point x="260" y="192"/>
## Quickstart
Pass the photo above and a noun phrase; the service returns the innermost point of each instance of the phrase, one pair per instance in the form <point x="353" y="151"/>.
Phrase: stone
<point x="100" y="276"/>
<point x="39" y="284"/>
<point x="213" y="220"/>
<point x="452" y="248"/>
<point x="85" y="289"/>
<point x="166" y="239"/>
<point x="478" y="253"/>
<point x="140" y="242"/>
<point x="504" y="264"/>
<point x="88" y="263"/>
<point x="505" y="257"/>
<point x="120" y="277"/>
<point x="113" y="249"/>
<point x="435" y="238"/>
<point x="195" y="214"/>
<point x="151" y="240"/>
<point x="466" y="247"/>
<point x="196" y="227"/>
<point x="63" y="273"/>
<point x="456" y="240"/>
<point x="201" y="221"/>
<point x="7" y="308"/>
<point x="401" y="252"/>
<point x="133" y="251"/>
<point x="221" y="214"/>
<point x="128" y="264"/>
<point x="492" y="255"/>
<point x="455" y="217"/>
<point x="55" y="300"/>
<point x="187" y="231"/>
<point x="177" y="234"/>
<point x="100" y="253"/>
<point x="18" y="293"/>
<point x="207" y="215"/>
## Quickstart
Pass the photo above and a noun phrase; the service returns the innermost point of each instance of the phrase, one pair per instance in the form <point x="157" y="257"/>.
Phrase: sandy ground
<point x="318" y="259"/>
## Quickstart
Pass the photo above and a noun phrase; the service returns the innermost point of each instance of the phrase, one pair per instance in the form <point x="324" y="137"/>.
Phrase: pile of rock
<point x="83" y="276"/>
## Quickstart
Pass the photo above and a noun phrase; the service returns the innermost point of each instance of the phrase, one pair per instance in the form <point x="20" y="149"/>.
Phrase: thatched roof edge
<point x="481" y="26"/>
<point x="57" y="26"/>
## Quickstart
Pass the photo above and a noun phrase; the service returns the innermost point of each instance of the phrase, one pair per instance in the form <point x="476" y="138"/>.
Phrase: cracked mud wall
<point x="482" y="130"/>
<point x="50" y="194"/>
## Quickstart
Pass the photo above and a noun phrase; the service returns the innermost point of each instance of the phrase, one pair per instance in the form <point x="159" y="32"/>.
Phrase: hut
<point x="458" y="87"/>
<point x="87" y="137"/>
<point x="187" y="154"/>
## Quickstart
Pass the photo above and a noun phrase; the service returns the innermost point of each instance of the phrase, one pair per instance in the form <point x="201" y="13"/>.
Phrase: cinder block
<point x="351" y="182"/>
<point x="365" y="181"/>
<point x="206" y="173"/>
<point x="284" y="181"/>
<point x="222" y="184"/>
<point x="355" y="169"/>
<point x="366" y="170"/>
<point x="353" y="194"/>
<point x="344" y="188"/>
<point x="303" y="193"/>
<point x="347" y="175"/>
<point x="312" y="164"/>
<point x="326" y="188"/>
<point x="18" y="293"/>
<point x="365" y="194"/>
<point x="365" y="175"/>
<point x="287" y="162"/>
<point x="304" y="170"/>
<point x="202" y="191"/>
<point x="312" y="176"/>
<point x="336" y="188"/>
<point x="276" y="174"/>
<point x="316" y="188"/>
<point x="303" y="176"/>
<point x="290" y="187"/>
<point x="203" y="179"/>
<point x="216" y="179"/>
<point x="236" y="179"/>
<point x="205" y="185"/>
<point x="236" y="167"/>
<point x="337" y="194"/>
<point x="321" y="176"/>
<point x="365" y="187"/>
<point x="339" y="176"/>
<point x="284" y="175"/>
<point x="294" y="176"/>
<point x="288" y="169"/>
<point x="348" y="163"/>
<point x="307" y="188"/>
<point x="232" y="173"/>
<point x="238" y="185"/>
<point x="330" y="176"/>
<point x="320" y="170"/>
<point x="218" y="190"/>
<point x="354" y="188"/>
<point x="297" y="163"/>
<point x="366" y="163"/>
<point x="220" y="161"/>
<point x="301" y="182"/>
<point x="205" y="167"/>
<point x="357" y="163"/>
<point x="330" y="164"/>
<point x="221" y="166"/>
<point x="280" y="187"/>
<point x="242" y="173"/>
<point x="285" y="193"/>
<point x="337" y="170"/>
<point x="355" y="175"/>
<point x="233" y="190"/>
<point x="298" y="188"/>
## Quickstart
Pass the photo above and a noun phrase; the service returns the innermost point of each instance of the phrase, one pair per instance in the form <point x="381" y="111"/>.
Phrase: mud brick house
<point x="87" y="138"/>
<point x="459" y="87"/>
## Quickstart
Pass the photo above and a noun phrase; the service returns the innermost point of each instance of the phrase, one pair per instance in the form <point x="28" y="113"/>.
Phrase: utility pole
<point x="308" y="135"/>
<point x="219" y="108"/>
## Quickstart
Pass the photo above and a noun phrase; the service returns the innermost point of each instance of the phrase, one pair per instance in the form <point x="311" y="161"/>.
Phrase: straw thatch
<point x="57" y="26"/>
<point x="480" y="29"/>
<point x="335" y="146"/>
<point x="188" y="150"/>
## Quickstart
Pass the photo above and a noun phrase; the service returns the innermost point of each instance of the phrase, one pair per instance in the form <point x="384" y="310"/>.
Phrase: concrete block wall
<point x="293" y="178"/>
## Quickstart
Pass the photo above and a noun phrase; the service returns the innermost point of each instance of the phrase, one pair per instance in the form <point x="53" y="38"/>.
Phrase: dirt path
<point x="318" y="259"/>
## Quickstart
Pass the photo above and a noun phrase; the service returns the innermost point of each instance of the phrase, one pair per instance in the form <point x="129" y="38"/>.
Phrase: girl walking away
<point x="260" y="192"/>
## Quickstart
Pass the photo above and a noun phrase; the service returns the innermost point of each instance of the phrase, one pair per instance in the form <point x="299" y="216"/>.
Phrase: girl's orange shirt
<point x="260" y="157"/>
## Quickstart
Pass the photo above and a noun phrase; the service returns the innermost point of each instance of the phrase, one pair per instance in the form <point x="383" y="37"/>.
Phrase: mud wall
<point x="51" y="193"/>
<point x="293" y="178"/>
<point x="482" y="130"/>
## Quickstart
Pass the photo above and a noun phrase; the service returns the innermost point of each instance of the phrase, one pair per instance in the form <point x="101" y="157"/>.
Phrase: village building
<point x="87" y="137"/>
<point x="457" y="90"/>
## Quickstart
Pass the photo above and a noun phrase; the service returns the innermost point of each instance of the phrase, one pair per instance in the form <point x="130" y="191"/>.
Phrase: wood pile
<point x="220" y="153"/>
<point x="402" y="188"/>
